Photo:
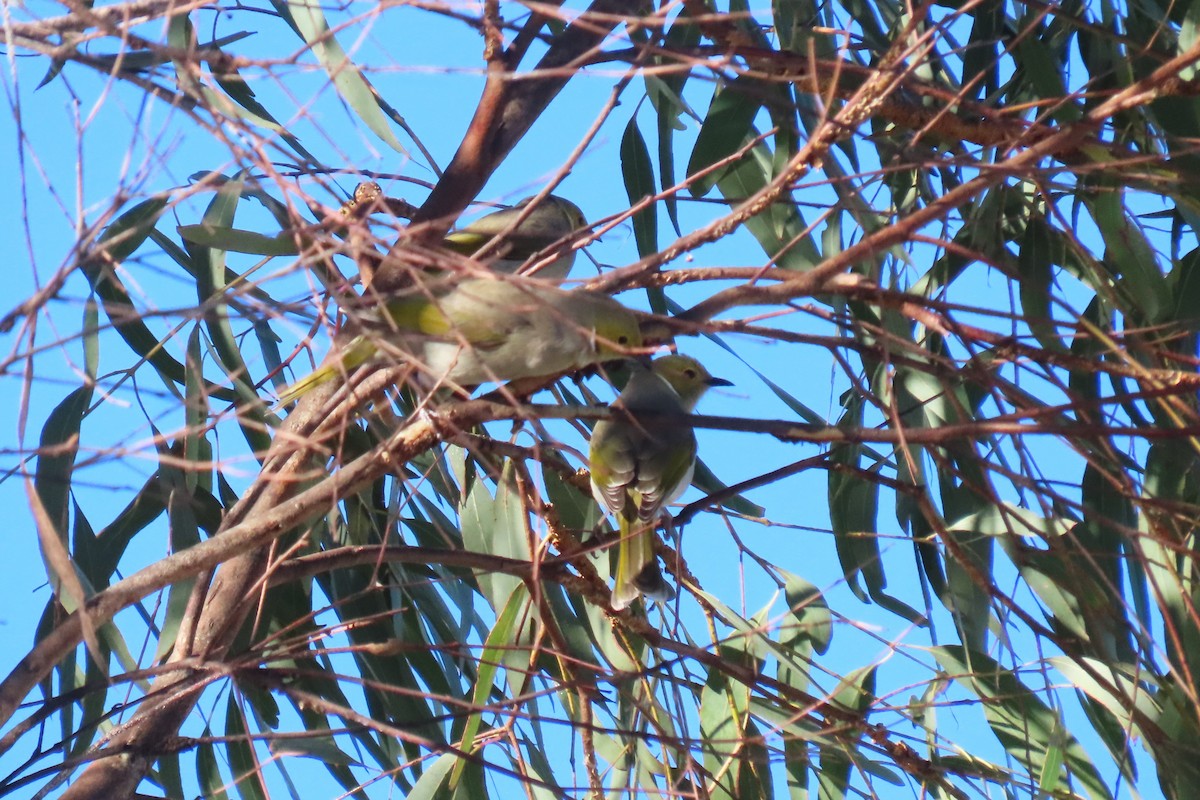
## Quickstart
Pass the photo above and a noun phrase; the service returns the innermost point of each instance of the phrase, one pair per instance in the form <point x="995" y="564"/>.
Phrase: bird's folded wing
<point x="665" y="472"/>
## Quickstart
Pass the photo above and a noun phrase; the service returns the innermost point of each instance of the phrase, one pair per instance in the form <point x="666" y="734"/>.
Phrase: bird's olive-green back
<point x="552" y="219"/>
<point x="484" y="312"/>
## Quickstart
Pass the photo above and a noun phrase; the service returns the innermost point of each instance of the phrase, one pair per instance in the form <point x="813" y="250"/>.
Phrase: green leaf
<point x="755" y="779"/>
<point x="247" y="771"/>
<point x="575" y="509"/>
<point x="211" y="288"/>
<point x="57" y="448"/>
<point x="724" y="131"/>
<point x="706" y="481"/>
<point x="1043" y="72"/>
<point x="1131" y="256"/>
<point x="813" y="620"/>
<point x="208" y="773"/>
<point x="495" y="526"/>
<point x="184" y="533"/>
<point x="145" y="507"/>
<point x="230" y="79"/>
<point x="1185" y="280"/>
<point x="969" y="542"/>
<point x="1005" y="519"/>
<point x="853" y="504"/>
<point x="126" y="233"/>
<point x="235" y="240"/>
<point x="322" y="748"/>
<point x="666" y="94"/>
<point x="210" y="284"/>
<point x="167" y="775"/>
<point x="91" y="337"/>
<point x="779" y="229"/>
<point x="856" y="691"/>
<point x="720" y="734"/>
<point x="93" y="707"/>
<point x="853" y="507"/>
<point x="980" y="56"/>
<point x="351" y="84"/>
<point x="791" y="18"/>
<point x="833" y="770"/>
<point x="1036" y="261"/>
<point x="498" y="644"/>
<point x="639" y="184"/>
<point x="433" y="779"/>
<point x="1030" y="731"/>
<point x="118" y="242"/>
<point x="538" y="764"/>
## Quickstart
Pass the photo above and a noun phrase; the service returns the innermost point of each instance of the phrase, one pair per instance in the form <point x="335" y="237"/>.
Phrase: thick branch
<point x="506" y="111"/>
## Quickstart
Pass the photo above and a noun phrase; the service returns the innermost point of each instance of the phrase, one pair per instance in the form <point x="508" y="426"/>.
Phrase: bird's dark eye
<point x="689" y="373"/>
<point x="622" y="340"/>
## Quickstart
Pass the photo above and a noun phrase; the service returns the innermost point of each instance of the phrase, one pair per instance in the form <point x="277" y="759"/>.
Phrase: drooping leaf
<point x="639" y="184"/>
<point x="309" y="21"/>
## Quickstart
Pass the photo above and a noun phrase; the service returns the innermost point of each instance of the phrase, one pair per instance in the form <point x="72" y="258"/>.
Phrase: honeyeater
<point x="486" y="329"/>
<point x="551" y="220"/>
<point x="639" y="466"/>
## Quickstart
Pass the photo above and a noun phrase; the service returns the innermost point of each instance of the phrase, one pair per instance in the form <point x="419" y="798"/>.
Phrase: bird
<point x="549" y="222"/>
<point x="487" y="329"/>
<point x="639" y="467"/>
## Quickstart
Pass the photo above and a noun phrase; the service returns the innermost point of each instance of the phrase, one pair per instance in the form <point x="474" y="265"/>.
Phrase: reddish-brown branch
<point x="505" y="113"/>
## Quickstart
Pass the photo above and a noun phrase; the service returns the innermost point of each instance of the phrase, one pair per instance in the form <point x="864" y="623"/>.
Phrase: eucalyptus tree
<point x="941" y="536"/>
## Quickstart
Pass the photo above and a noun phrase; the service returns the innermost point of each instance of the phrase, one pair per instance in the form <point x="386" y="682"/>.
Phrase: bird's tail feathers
<point x="652" y="584"/>
<point x="361" y="350"/>
<point x="637" y="565"/>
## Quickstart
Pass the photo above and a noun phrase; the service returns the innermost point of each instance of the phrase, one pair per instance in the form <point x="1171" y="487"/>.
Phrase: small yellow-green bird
<point x="638" y="468"/>
<point x="489" y="329"/>
<point x="551" y="220"/>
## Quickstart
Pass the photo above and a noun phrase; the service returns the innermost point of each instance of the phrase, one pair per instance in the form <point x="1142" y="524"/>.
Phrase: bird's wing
<point x="516" y="245"/>
<point x="613" y="466"/>
<point x="664" y="471"/>
<point x="419" y="315"/>
<point x="485" y="314"/>
<point x="466" y="242"/>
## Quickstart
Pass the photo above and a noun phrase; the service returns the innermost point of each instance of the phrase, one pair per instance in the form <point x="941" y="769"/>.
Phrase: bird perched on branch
<point x="487" y="329"/>
<point x="549" y="222"/>
<point x="639" y="466"/>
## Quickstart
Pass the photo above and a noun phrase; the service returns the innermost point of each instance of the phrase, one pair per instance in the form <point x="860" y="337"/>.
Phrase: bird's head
<point x="687" y="377"/>
<point x="616" y="331"/>
<point x="554" y="218"/>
